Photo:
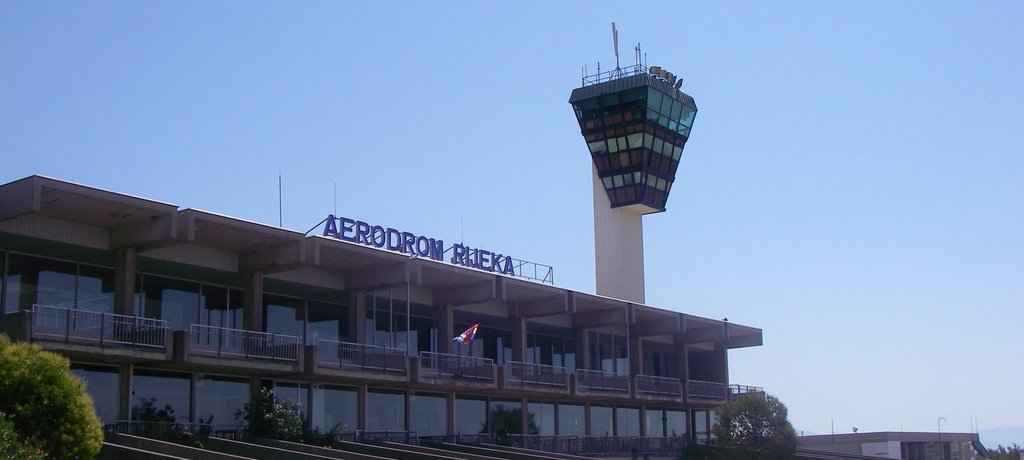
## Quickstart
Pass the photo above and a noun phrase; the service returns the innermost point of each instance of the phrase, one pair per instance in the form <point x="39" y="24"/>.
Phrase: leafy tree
<point x="13" y="447"/>
<point x="1005" y="453"/>
<point x="755" y="426"/>
<point x="47" y="405"/>
<point x="267" y="417"/>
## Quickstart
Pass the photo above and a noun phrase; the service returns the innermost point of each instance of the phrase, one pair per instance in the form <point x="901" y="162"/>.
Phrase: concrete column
<point x="252" y="299"/>
<point x="354" y="322"/>
<point x="450" y="429"/>
<point x="586" y="416"/>
<point x="124" y="281"/>
<point x="445" y="326"/>
<point x="124" y="392"/>
<point x="361" y="407"/>
<point x="582" y="339"/>
<point x="619" y="248"/>
<point x="636" y="356"/>
<point x="682" y="364"/>
<point x="359" y="313"/>
<point x="518" y="339"/>
<point x="643" y="419"/>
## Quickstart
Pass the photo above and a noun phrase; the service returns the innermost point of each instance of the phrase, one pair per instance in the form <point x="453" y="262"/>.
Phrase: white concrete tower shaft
<point x="618" y="248"/>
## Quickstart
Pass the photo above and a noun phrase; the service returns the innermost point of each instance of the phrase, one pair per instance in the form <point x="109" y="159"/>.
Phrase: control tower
<point x="636" y="122"/>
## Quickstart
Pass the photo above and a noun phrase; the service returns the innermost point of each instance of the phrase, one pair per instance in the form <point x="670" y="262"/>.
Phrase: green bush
<point x="266" y="417"/>
<point x="755" y="426"/>
<point x="47" y="406"/>
<point x="13" y="447"/>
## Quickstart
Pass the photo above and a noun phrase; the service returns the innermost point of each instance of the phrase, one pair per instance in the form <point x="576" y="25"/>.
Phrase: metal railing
<point x="652" y="384"/>
<point x="595" y="380"/>
<point x="614" y="74"/>
<point x="171" y="430"/>
<point x="237" y="343"/>
<point x="456" y="366"/>
<point x="520" y="373"/>
<point x="403" y="437"/>
<point x="104" y="329"/>
<point x="345" y="355"/>
<point x="611" y="445"/>
<point x="459" y="438"/>
<point x="736" y="391"/>
<point x="706" y="390"/>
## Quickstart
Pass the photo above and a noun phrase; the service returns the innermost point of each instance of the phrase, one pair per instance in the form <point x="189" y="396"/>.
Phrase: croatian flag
<point x="467" y="336"/>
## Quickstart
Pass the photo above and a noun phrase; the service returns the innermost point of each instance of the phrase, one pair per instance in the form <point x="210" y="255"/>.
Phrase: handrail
<point x="332" y="353"/>
<point x="239" y="343"/>
<point x="458" y="366"/>
<point x="654" y="384"/>
<point x="106" y="329"/>
<point x="707" y="390"/>
<point x="602" y="380"/>
<point x="536" y="374"/>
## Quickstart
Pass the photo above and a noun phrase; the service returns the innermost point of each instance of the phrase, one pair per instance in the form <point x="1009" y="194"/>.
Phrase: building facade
<point x="182" y="315"/>
<point x="899" y="445"/>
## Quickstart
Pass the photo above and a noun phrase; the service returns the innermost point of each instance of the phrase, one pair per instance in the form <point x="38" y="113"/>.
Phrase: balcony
<point x="360" y="361"/>
<point x="592" y="381"/>
<point x="738" y="391"/>
<point x="701" y="390"/>
<point x="442" y="368"/>
<point x="535" y="377"/>
<point x="655" y="387"/>
<point x="100" y="336"/>
<point x="221" y="347"/>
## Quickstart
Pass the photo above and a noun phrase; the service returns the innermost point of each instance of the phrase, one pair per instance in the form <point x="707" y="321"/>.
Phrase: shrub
<point x="267" y="417"/>
<point x="46" y="405"/>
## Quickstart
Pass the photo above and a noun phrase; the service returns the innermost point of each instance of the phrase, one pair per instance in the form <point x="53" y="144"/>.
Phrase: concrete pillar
<point x="361" y="407"/>
<point x="124" y="392"/>
<point x="445" y="326"/>
<point x="450" y="429"/>
<point x="586" y="416"/>
<point x="124" y="281"/>
<point x="252" y="299"/>
<point x="582" y="339"/>
<point x="643" y="419"/>
<point x="619" y="248"/>
<point x="636" y="356"/>
<point x="682" y="364"/>
<point x="519" y="339"/>
<point x="359" y="313"/>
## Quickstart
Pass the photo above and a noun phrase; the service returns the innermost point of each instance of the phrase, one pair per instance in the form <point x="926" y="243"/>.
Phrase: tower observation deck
<point x="635" y="122"/>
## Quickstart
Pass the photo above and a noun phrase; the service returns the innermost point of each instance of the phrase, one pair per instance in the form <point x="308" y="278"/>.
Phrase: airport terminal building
<point x="191" y="312"/>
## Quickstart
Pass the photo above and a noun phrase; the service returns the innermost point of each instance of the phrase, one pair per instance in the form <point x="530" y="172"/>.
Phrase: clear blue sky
<point x="854" y="182"/>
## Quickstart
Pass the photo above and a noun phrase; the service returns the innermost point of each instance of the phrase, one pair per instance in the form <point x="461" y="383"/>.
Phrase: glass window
<point x="297" y="393"/>
<point x="617" y="180"/>
<point x="627" y="421"/>
<point x="675" y="423"/>
<point x="648" y="141"/>
<point x="161" y="396"/>
<point x="571" y="421"/>
<point x="102" y="384"/>
<point x="220" y="307"/>
<point x="654" y="98"/>
<point x="666" y="106"/>
<point x="598" y="147"/>
<point x="506" y="417"/>
<point x="686" y="119"/>
<point x="677" y="152"/>
<point x="334" y="407"/>
<point x="700" y="423"/>
<point x="601" y="422"/>
<point x="283" y="315"/>
<point x="540" y="418"/>
<point x="217" y="399"/>
<point x="174" y="301"/>
<point x="428" y="414"/>
<point x="658" y="144"/>
<point x="95" y="290"/>
<point x="613" y="145"/>
<point x="33" y="280"/>
<point x="470" y="415"/>
<point x="385" y="411"/>
<point x="607" y="182"/>
<point x="636" y="140"/>
<point x="654" y="422"/>
<point x="677" y="110"/>
<point x="327" y="321"/>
